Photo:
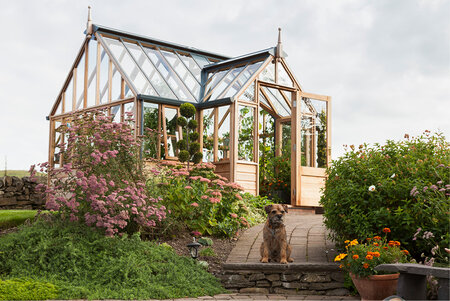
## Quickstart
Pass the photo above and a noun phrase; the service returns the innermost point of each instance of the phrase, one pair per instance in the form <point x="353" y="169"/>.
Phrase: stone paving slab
<point x="254" y="297"/>
<point x="306" y="233"/>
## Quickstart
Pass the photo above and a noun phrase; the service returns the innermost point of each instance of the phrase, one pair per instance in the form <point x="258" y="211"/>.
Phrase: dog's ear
<point x="285" y="208"/>
<point x="268" y="208"/>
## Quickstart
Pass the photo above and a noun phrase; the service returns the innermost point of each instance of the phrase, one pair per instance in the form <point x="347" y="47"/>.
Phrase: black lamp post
<point x="193" y="248"/>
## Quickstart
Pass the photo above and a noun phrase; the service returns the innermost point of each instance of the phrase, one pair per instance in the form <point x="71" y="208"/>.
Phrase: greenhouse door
<point x="310" y="120"/>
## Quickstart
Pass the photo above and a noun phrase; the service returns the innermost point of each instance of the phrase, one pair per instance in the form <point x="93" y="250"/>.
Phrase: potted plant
<point x="360" y="261"/>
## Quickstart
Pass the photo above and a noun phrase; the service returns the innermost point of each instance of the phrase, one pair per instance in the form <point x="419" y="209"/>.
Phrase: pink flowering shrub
<point x="201" y="200"/>
<point x="101" y="182"/>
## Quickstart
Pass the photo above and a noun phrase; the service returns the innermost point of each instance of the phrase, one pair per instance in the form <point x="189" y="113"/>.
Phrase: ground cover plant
<point x="26" y="289"/>
<point x="81" y="262"/>
<point x="402" y="185"/>
<point x="101" y="182"/>
<point x="199" y="200"/>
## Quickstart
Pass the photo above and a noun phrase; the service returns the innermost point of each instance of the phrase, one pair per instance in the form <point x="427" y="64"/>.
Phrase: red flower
<point x="386" y="230"/>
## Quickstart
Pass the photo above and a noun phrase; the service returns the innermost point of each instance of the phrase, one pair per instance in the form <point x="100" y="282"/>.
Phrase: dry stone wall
<point x="18" y="193"/>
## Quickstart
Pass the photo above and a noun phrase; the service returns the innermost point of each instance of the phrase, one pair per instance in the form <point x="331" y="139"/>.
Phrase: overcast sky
<point x="385" y="63"/>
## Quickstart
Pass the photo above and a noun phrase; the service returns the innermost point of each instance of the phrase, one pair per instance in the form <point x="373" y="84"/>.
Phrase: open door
<point x="311" y="147"/>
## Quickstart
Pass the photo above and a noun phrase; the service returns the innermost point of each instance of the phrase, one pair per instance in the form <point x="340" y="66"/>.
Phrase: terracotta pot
<point x="376" y="287"/>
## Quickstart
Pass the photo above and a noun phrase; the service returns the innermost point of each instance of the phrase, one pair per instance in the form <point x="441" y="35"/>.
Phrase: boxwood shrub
<point x="402" y="185"/>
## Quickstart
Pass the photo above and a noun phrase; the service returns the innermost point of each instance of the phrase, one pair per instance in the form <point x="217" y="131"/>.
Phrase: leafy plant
<point x="205" y="241"/>
<point x="84" y="264"/>
<point x="27" y="289"/>
<point x="402" y="184"/>
<point x="361" y="259"/>
<point x="101" y="182"/>
<point x="200" y="200"/>
<point x="207" y="252"/>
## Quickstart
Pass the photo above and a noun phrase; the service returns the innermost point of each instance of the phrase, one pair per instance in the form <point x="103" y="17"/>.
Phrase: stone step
<point x="295" y="278"/>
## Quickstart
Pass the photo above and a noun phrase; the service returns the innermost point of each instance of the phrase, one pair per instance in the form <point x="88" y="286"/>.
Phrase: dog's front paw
<point x="264" y="260"/>
<point x="283" y="261"/>
<point x="290" y="260"/>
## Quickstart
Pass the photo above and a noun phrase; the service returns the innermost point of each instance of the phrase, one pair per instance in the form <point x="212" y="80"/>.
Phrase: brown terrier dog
<point x="275" y="248"/>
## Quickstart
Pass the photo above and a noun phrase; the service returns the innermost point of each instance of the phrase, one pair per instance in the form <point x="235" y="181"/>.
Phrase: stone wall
<point x="296" y="279"/>
<point x="18" y="193"/>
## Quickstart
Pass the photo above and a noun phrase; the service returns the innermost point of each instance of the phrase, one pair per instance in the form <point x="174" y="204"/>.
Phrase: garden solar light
<point x="193" y="248"/>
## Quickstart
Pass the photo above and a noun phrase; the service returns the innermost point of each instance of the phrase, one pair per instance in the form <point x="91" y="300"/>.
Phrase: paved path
<point x="247" y="297"/>
<point x="305" y="232"/>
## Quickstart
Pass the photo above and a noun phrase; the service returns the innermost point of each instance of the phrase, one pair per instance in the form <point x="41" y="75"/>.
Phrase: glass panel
<point x="268" y="74"/>
<point x="214" y="80"/>
<point x="226" y="82"/>
<point x="104" y="69"/>
<point x="286" y="136"/>
<point x="69" y="96"/>
<point x="116" y="84"/>
<point x="319" y="122"/>
<point x="116" y="113"/>
<point x="283" y="77"/>
<point x="128" y="92"/>
<point x="80" y="83"/>
<point x="266" y="147"/>
<point x="129" y="67"/>
<point x="246" y="133"/>
<point x="263" y="99"/>
<point x="182" y="72"/>
<point x="150" y="142"/>
<point x="169" y="75"/>
<point x="171" y="116"/>
<point x="224" y="134"/>
<point x="92" y="73"/>
<point x="249" y="71"/>
<point x="208" y="135"/>
<point x="201" y="60"/>
<point x="57" y="141"/>
<point x="129" y="112"/>
<point x="157" y="81"/>
<point x="191" y="65"/>
<point x="278" y="101"/>
<point x="249" y="93"/>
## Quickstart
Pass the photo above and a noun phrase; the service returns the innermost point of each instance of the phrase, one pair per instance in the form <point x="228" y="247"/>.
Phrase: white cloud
<point x="385" y="63"/>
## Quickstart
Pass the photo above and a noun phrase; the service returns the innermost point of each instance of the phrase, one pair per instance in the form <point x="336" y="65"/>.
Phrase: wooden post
<point x="256" y="142"/>
<point x="158" y="150"/>
<point x="109" y="79"/>
<point x="74" y="99"/>
<point x="199" y="118"/>
<point x="278" y="137"/>
<point x="97" y="85"/>
<point x="296" y="150"/>
<point x="328" y="131"/>
<point x="234" y="139"/>
<point x="86" y="75"/>
<point x="216" y="135"/>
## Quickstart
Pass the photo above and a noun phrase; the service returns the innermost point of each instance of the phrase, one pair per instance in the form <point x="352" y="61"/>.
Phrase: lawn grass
<point x="14" y="218"/>
<point x="18" y="173"/>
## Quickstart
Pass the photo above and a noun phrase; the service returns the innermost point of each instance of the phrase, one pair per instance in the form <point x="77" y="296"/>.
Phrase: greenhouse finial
<point x="89" y="23"/>
<point x="279" y="47"/>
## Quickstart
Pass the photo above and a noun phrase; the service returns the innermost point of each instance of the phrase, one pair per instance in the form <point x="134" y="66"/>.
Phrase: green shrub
<point x="207" y="252"/>
<point x="401" y="185"/>
<point x="83" y="263"/>
<point x="200" y="200"/>
<point x="26" y="289"/>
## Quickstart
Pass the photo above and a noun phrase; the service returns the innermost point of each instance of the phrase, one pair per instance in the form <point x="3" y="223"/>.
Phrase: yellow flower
<point x="353" y="242"/>
<point x="340" y="257"/>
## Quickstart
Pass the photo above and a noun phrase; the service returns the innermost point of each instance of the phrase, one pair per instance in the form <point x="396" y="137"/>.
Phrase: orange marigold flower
<point x="368" y="238"/>
<point x="369" y="257"/>
<point x="377" y="238"/>
<point x="386" y="230"/>
<point x="365" y="265"/>
<point x="376" y="254"/>
<point x="341" y="266"/>
<point x="385" y="248"/>
<point x="391" y="243"/>
<point x="397" y="243"/>
<point x="355" y="257"/>
<point x="405" y="252"/>
<point x="376" y="244"/>
<point x="347" y="241"/>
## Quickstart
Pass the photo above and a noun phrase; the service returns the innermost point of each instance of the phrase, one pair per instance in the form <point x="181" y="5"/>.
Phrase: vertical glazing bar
<point x="158" y="150"/>
<point x="86" y="75"/>
<point x="296" y="151"/>
<point x="216" y="134"/>
<point x="328" y="131"/>
<point x="63" y="102"/>
<point x="74" y="101"/>
<point x="110" y="66"/>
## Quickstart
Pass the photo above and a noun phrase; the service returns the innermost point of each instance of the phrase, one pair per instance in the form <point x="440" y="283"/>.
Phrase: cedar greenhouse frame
<point x="124" y="72"/>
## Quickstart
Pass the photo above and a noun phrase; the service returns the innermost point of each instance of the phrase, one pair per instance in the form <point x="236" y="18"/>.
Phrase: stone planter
<point x="376" y="287"/>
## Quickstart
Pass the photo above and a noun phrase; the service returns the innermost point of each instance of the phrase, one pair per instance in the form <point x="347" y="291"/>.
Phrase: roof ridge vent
<point x="279" y="51"/>
<point x="89" y="24"/>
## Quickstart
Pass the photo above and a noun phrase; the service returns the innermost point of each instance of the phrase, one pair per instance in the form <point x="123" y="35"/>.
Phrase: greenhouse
<point x="256" y="124"/>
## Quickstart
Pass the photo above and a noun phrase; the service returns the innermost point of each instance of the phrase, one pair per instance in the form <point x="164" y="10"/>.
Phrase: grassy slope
<point x="13" y="218"/>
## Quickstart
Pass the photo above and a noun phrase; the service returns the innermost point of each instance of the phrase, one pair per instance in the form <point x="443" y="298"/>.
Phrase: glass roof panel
<point x="283" y="77"/>
<point x="201" y="60"/>
<point x="150" y="71"/>
<point x="214" y="80"/>
<point x="268" y="74"/>
<point x="263" y="99"/>
<point x="130" y="68"/>
<point x="191" y="64"/>
<point x="169" y="74"/>
<point x="226" y="82"/>
<point x="243" y="77"/>
<point x="249" y="93"/>
<point x="181" y="70"/>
